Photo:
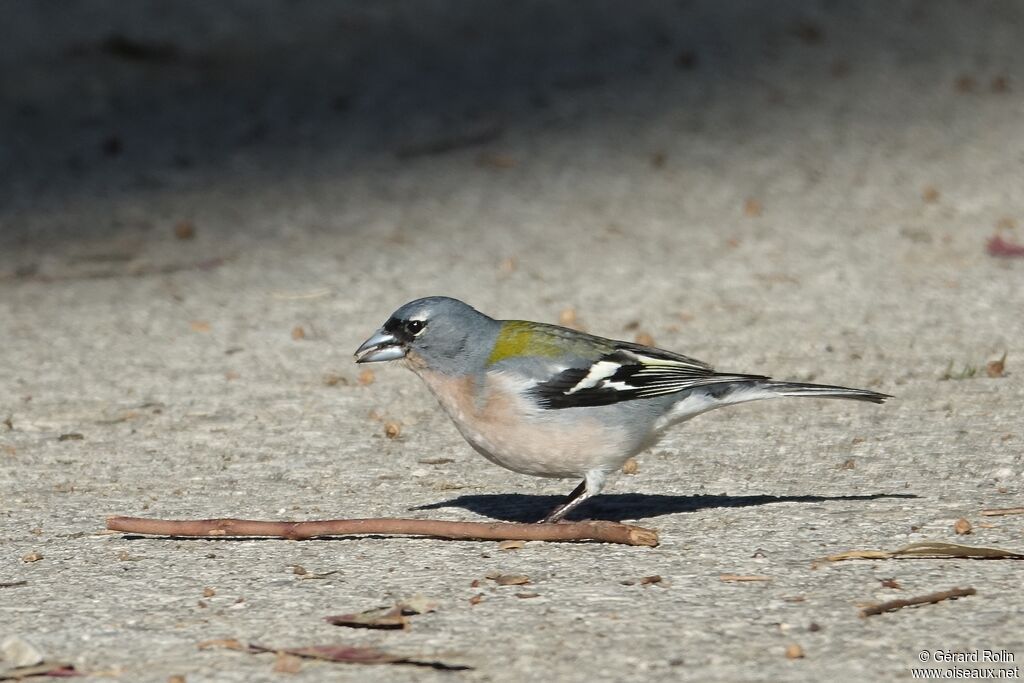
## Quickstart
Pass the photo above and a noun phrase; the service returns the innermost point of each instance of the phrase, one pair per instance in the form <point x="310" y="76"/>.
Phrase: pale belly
<point x="511" y="432"/>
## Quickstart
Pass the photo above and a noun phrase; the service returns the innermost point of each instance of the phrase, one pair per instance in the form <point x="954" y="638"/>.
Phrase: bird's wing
<point x="626" y="375"/>
<point x="596" y="371"/>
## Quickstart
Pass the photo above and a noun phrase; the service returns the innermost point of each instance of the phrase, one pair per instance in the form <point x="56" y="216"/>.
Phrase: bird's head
<point x="438" y="332"/>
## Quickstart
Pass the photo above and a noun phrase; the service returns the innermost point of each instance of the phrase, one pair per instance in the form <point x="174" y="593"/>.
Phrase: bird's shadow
<point x="519" y="507"/>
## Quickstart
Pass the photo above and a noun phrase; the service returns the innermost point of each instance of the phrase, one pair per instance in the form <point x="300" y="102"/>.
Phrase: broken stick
<point x="893" y="605"/>
<point x="602" y="531"/>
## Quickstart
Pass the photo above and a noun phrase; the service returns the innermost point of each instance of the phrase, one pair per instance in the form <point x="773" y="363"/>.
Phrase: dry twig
<point x="893" y="605"/>
<point x="341" y="653"/>
<point x="603" y="531"/>
<point x="926" y="550"/>
<point x="998" y="512"/>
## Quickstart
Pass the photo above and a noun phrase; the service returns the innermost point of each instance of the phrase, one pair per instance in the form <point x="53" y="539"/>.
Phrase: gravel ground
<point x="803" y="189"/>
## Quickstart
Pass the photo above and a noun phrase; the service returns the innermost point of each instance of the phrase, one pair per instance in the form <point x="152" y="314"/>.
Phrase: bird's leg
<point x="577" y="496"/>
<point x="590" y="486"/>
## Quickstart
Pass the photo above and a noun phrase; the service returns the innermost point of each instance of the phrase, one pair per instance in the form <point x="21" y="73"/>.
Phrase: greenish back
<point x="519" y="338"/>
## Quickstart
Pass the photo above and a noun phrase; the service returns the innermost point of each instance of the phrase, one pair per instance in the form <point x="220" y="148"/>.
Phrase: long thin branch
<point x="607" y="532"/>
<point x="892" y="605"/>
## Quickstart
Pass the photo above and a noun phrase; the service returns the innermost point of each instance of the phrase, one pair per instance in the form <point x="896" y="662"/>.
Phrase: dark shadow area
<point x="106" y="99"/>
<point x="518" y="507"/>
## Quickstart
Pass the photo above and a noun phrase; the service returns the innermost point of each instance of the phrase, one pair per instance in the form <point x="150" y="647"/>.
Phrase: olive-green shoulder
<point x="518" y="338"/>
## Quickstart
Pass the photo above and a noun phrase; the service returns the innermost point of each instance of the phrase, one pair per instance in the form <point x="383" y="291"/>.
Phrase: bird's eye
<point x="414" y="327"/>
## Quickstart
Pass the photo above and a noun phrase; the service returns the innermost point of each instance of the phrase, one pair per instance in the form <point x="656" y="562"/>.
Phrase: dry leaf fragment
<point x="527" y="596"/>
<point x="386" y="617"/>
<point x="511" y="545"/>
<point x="366" y="377"/>
<point x="930" y="195"/>
<point x="568" y="318"/>
<point x="392" y="430"/>
<point x="997" y="246"/>
<point x="331" y="379"/>
<point x="298" y="332"/>
<point x="752" y="208"/>
<point x="643" y="581"/>
<point x="45" y="669"/>
<point x="644" y="338"/>
<point x="287" y="663"/>
<point x="741" y="578"/>
<point x="175" y="678"/>
<point x="630" y="466"/>
<point x="227" y="643"/>
<point x="33" y="556"/>
<point x="508" y="265"/>
<point x="379" y="618"/>
<point x="962" y="527"/>
<point x="511" y="579"/>
<point x="185" y="230"/>
<point x="965" y="84"/>
<point x="417" y="604"/>
<point x="209" y="592"/>
<point x="200" y="326"/>
<point x="996" y="368"/>
<point x="794" y="651"/>
<point x="476" y="599"/>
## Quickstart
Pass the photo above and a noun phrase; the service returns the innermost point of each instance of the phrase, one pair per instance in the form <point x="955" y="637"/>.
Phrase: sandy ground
<point x="803" y="189"/>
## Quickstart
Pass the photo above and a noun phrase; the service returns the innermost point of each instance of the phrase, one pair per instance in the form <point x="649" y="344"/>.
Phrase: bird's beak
<point x="380" y="347"/>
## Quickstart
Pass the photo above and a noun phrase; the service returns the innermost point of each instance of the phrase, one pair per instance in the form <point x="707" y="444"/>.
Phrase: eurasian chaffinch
<point x="554" y="402"/>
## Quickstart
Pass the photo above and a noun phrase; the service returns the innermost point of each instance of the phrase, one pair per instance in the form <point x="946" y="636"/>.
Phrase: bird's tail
<point x="823" y="391"/>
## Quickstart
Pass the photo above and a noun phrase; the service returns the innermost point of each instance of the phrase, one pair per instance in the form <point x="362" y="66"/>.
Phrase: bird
<point x="549" y="401"/>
